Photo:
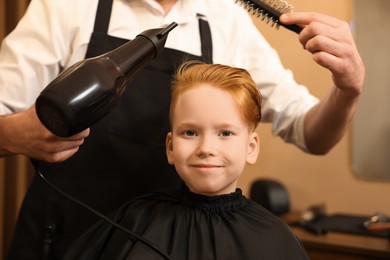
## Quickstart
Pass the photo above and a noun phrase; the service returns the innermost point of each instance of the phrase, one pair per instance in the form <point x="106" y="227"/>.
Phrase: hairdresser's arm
<point x="23" y="133"/>
<point x="332" y="45"/>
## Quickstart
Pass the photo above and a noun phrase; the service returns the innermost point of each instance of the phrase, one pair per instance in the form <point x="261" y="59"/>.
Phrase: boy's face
<point x="210" y="143"/>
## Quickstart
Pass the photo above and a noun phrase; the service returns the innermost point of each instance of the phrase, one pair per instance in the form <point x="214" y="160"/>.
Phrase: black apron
<point x="123" y="157"/>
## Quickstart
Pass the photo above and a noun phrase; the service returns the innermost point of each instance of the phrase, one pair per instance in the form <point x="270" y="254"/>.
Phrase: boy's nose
<point x="206" y="147"/>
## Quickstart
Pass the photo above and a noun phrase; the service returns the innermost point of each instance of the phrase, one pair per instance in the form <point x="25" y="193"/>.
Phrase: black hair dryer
<point x="91" y="88"/>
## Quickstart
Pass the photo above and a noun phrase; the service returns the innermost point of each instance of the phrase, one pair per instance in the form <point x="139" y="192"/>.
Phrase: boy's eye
<point x="225" y="133"/>
<point x="190" y="133"/>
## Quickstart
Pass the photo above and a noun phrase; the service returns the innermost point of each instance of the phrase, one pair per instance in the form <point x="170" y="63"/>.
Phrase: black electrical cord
<point x="100" y="215"/>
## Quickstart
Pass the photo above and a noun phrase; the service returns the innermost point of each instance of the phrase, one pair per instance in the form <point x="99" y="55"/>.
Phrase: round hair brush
<point x="270" y="11"/>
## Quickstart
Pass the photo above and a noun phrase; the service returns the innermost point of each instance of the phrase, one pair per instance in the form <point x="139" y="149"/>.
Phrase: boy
<point x="214" y="112"/>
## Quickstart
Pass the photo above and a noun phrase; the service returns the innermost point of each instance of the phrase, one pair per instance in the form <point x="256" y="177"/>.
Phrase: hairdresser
<point x="109" y="163"/>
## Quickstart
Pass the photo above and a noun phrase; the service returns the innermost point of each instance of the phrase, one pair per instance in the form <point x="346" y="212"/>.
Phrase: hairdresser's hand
<point x="23" y="133"/>
<point x="332" y="44"/>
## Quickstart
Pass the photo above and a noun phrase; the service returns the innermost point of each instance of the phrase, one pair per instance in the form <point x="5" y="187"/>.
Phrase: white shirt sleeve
<point x="42" y="44"/>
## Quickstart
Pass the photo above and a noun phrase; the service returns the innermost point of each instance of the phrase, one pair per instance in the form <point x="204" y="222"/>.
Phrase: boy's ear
<point x="253" y="148"/>
<point x="169" y="148"/>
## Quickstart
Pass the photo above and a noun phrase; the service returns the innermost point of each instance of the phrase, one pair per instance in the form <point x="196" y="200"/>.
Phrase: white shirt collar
<point x="183" y="11"/>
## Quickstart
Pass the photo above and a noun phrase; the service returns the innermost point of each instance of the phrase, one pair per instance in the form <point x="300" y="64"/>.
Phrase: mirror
<point x="371" y="125"/>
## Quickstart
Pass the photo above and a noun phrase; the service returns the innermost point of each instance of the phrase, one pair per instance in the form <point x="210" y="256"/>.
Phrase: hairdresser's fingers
<point x="342" y="58"/>
<point x="317" y="24"/>
<point x="58" y="156"/>
<point x="83" y="134"/>
<point x="305" y="18"/>
<point x="340" y="42"/>
<point x="31" y="138"/>
<point x="53" y="143"/>
<point x="52" y="148"/>
<point x="346" y="66"/>
<point x="332" y="44"/>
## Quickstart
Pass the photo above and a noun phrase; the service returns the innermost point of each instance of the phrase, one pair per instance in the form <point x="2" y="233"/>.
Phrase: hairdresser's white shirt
<point x="54" y="34"/>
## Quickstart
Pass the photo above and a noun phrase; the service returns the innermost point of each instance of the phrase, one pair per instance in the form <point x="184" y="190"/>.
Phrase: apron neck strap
<point x="103" y="14"/>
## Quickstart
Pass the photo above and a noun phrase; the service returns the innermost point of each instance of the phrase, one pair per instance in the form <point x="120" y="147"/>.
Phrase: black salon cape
<point x="189" y="226"/>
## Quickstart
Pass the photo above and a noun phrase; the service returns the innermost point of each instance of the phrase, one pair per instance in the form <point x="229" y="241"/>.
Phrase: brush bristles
<point x="268" y="10"/>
